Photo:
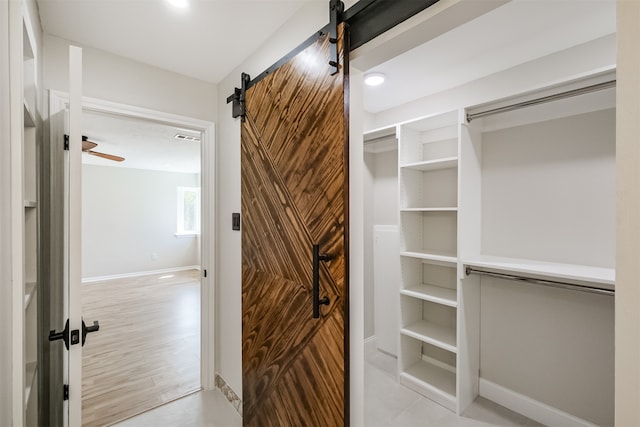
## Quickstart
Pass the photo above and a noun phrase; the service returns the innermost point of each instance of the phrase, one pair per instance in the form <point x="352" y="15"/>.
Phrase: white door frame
<point x="58" y="102"/>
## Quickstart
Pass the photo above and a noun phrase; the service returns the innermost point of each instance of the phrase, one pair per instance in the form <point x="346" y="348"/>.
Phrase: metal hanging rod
<point x="549" y="98"/>
<point x="551" y="283"/>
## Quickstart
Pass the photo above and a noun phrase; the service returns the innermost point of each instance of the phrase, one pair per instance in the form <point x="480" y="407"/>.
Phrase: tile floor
<point x="387" y="403"/>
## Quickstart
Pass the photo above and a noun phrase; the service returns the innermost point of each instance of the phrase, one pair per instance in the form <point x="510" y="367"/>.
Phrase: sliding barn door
<point x="294" y="210"/>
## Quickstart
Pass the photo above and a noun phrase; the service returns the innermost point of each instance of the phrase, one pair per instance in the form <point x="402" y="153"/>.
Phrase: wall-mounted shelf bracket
<point x="336" y="7"/>
<point x="238" y="98"/>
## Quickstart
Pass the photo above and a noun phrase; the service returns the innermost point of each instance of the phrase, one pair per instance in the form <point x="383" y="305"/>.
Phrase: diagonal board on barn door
<point x="274" y="275"/>
<point x="276" y="238"/>
<point x="305" y="103"/>
<point x="277" y="409"/>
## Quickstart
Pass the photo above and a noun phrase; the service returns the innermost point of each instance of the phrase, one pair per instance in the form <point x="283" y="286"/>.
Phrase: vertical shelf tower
<point x="25" y="170"/>
<point x="430" y="339"/>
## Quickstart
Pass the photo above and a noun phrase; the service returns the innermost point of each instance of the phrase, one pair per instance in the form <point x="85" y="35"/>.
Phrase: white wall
<point x="588" y="57"/>
<point x="369" y="213"/>
<point x="381" y="208"/>
<point x="128" y="215"/>
<point x="628" y="228"/>
<point x="548" y="190"/>
<point x="114" y="78"/>
<point x="385" y="188"/>
<point x="5" y="218"/>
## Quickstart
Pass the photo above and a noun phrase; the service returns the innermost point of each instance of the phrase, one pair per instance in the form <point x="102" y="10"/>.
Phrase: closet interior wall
<point x="380" y="225"/>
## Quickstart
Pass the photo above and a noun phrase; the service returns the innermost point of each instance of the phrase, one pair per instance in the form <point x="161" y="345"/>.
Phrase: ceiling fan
<point x="88" y="146"/>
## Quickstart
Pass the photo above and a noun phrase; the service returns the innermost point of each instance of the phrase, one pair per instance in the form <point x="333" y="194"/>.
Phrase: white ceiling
<point x="519" y="31"/>
<point x="143" y="144"/>
<point x="205" y="41"/>
<point x="212" y="37"/>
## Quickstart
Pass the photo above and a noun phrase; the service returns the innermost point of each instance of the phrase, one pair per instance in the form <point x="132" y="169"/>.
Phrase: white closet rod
<point x="552" y="283"/>
<point x="549" y="98"/>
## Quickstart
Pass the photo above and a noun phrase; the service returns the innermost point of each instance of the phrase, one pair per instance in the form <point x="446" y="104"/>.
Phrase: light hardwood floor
<point x="147" y="351"/>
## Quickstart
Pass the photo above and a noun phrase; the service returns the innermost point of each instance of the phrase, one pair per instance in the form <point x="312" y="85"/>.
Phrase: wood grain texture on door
<point x="295" y="195"/>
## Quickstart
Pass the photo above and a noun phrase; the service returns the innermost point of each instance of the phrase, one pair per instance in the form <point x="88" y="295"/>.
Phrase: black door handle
<point x="72" y="337"/>
<point x="317" y="302"/>
<point x="88" y="329"/>
<point x="64" y="335"/>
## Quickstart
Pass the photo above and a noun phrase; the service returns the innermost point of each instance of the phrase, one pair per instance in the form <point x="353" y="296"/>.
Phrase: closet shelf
<point x="30" y="376"/>
<point x="30" y="290"/>
<point x="546" y="270"/>
<point x="432" y="333"/>
<point x="436" y="294"/>
<point x="442" y="209"/>
<point x="29" y="120"/>
<point x="429" y="165"/>
<point x="431" y="255"/>
<point x="432" y="381"/>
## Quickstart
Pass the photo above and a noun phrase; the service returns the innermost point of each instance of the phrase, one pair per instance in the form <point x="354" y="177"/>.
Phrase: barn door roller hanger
<point x="336" y="8"/>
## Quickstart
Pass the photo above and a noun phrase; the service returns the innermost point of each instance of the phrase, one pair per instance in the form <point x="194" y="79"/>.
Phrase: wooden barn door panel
<point x="294" y="196"/>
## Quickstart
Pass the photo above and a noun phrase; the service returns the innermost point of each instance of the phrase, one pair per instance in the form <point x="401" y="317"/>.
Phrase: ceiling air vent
<point x="182" y="137"/>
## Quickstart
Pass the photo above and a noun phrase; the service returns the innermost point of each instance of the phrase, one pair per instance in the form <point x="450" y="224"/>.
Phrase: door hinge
<point x="204" y="272"/>
<point x="66" y="142"/>
<point x="65" y="392"/>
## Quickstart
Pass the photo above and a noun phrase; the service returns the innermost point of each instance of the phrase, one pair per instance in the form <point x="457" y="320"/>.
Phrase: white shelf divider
<point x="429" y="165"/>
<point x="30" y="376"/>
<point x="442" y="209"/>
<point x="436" y="294"/>
<point x="30" y="290"/>
<point x="432" y="333"/>
<point x="430" y="255"/>
<point x="432" y="381"/>
<point x="29" y="120"/>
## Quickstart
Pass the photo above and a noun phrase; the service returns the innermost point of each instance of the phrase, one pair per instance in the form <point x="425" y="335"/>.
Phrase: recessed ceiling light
<point x="374" y="79"/>
<point x="179" y="3"/>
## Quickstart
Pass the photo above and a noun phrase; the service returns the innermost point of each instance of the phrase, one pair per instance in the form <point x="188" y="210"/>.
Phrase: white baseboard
<point x="139" y="273"/>
<point x="538" y="411"/>
<point x="370" y="345"/>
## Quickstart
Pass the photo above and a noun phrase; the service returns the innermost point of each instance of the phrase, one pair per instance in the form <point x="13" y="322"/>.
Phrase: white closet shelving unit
<point x="428" y="201"/>
<point x="26" y="318"/>
<point x="500" y="194"/>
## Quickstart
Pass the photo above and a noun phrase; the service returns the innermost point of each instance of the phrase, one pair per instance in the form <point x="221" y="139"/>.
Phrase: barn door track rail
<point x="366" y="20"/>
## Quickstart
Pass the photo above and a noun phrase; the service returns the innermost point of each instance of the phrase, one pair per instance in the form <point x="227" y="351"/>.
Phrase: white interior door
<point x="73" y="249"/>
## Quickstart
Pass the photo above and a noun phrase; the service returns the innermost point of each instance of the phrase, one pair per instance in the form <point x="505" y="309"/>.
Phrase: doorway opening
<point x="192" y="305"/>
<point x="141" y="265"/>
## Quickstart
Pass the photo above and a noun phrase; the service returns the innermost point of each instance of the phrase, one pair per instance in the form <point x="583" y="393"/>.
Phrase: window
<point x="188" y="211"/>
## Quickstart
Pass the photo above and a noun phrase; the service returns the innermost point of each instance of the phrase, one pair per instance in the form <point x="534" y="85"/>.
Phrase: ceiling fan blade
<point x="87" y="145"/>
<point x="105" y="156"/>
